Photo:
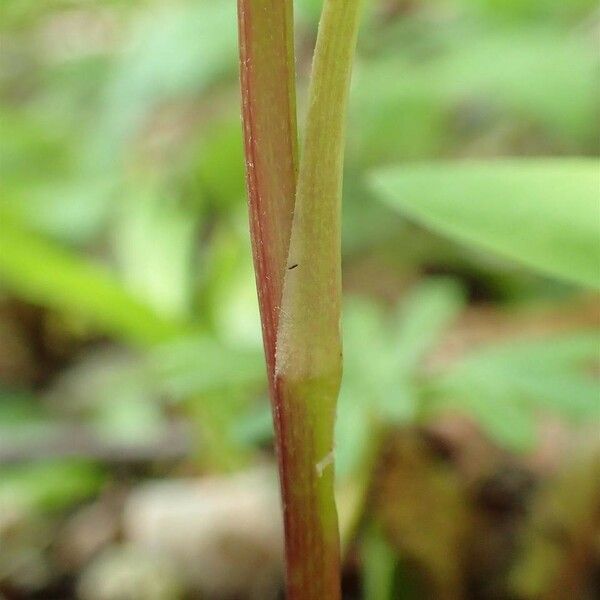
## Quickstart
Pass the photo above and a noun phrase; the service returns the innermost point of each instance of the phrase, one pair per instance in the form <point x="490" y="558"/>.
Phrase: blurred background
<point x="136" y="455"/>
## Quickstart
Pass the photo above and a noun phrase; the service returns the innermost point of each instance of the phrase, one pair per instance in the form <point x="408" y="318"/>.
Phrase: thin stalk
<point x="309" y="348"/>
<point x="267" y="75"/>
<point x="295" y="230"/>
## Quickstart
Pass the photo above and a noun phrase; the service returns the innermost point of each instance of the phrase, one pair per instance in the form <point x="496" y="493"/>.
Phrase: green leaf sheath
<point x="309" y="332"/>
<point x="543" y="213"/>
<point x="270" y="134"/>
<point x="309" y="353"/>
<point x="295" y="230"/>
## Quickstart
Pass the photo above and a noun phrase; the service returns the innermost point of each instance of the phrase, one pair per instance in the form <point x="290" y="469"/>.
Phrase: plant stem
<point x="295" y="234"/>
<point x="270" y="135"/>
<point x="309" y="348"/>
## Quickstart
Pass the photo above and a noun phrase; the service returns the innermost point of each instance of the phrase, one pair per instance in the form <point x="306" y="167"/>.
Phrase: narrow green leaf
<point x="543" y="213"/>
<point x="47" y="274"/>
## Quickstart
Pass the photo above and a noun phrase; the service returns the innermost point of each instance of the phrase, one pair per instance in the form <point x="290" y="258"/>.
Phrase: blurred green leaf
<point x="230" y="287"/>
<point x="47" y="274"/>
<point x="154" y="240"/>
<point x="382" y="388"/>
<point x="421" y="320"/>
<point x="505" y="386"/>
<point x="48" y="485"/>
<point x="18" y="408"/>
<point x="173" y="50"/>
<point x="434" y="91"/>
<point x="391" y="116"/>
<point x="218" y="165"/>
<point x="255" y="427"/>
<point x="201" y="365"/>
<point x="379" y="566"/>
<point x="132" y="422"/>
<point x="39" y="186"/>
<point x="523" y="10"/>
<point x="541" y="75"/>
<point x="542" y="213"/>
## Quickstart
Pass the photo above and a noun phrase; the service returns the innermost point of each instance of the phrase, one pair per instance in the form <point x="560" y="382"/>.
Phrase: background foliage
<point x="129" y="335"/>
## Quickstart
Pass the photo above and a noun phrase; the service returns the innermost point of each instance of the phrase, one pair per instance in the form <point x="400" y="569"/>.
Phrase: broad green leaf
<point x="543" y="213"/>
<point x="47" y="274"/>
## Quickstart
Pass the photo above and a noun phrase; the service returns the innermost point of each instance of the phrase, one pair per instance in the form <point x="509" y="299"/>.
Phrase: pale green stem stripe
<point x="309" y="340"/>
